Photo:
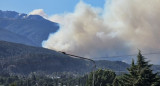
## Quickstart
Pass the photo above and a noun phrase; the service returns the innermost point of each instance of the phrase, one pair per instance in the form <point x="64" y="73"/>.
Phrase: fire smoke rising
<point x="117" y="29"/>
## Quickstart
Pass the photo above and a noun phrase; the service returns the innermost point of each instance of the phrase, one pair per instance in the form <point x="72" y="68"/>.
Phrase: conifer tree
<point x="140" y="74"/>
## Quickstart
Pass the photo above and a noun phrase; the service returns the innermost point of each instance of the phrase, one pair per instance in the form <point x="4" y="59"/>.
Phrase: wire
<point x="108" y="56"/>
<point x="128" y="55"/>
<point x="153" y="53"/>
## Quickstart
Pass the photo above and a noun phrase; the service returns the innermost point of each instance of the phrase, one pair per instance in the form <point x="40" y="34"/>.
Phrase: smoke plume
<point x="119" y="28"/>
<point x="39" y="12"/>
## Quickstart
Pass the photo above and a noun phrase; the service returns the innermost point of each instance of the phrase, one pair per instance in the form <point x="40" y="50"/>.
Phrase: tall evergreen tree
<point x="140" y="74"/>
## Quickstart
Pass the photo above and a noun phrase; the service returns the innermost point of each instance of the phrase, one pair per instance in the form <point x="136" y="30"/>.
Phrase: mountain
<point x="26" y="29"/>
<point x="22" y="59"/>
<point x="116" y="66"/>
<point x="12" y="37"/>
<point x="119" y="67"/>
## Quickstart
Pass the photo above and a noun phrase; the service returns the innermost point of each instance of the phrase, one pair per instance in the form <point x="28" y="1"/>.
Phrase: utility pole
<point x="94" y="67"/>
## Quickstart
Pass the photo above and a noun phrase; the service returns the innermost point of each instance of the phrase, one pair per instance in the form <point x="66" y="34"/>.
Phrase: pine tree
<point x="140" y="74"/>
<point x="132" y="76"/>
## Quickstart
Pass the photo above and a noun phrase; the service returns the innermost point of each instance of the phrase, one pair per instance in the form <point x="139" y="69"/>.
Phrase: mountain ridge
<point x="23" y="59"/>
<point x="33" y="27"/>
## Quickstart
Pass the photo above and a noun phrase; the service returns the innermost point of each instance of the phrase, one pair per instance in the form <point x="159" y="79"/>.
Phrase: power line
<point x="117" y="56"/>
<point x="153" y="53"/>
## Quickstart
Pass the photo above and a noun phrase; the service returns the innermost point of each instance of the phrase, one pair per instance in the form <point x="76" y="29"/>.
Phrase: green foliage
<point x="34" y="79"/>
<point x="140" y="74"/>
<point x="13" y="84"/>
<point x="116" y="82"/>
<point x="102" y="78"/>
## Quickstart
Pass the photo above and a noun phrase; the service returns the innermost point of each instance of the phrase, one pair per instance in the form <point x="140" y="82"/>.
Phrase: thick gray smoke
<point x="119" y="28"/>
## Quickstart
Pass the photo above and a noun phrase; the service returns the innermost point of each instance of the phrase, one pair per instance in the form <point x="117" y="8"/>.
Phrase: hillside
<point x="18" y="58"/>
<point x="34" y="28"/>
<point x="116" y="66"/>
<point x="23" y="59"/>
<point x="13" y="37"/>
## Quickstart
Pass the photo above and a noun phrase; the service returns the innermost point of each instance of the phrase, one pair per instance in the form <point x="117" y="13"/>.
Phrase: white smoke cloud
<point x="56" y="18"/>
<point x="39" y="12"/>
<point x="118" y="29"/>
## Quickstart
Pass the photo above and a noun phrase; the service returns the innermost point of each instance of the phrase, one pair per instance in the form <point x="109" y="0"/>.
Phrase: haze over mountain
<point x="25" y="29"/>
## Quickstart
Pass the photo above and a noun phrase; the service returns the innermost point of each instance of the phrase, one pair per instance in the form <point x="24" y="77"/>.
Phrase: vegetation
<point x="140" y="74"/>
<point x="102" y="78"/>
<point x="42" y="80"/>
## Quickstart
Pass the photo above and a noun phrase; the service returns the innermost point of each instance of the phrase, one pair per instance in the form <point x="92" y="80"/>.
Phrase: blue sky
<point x="49" y="6"/>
